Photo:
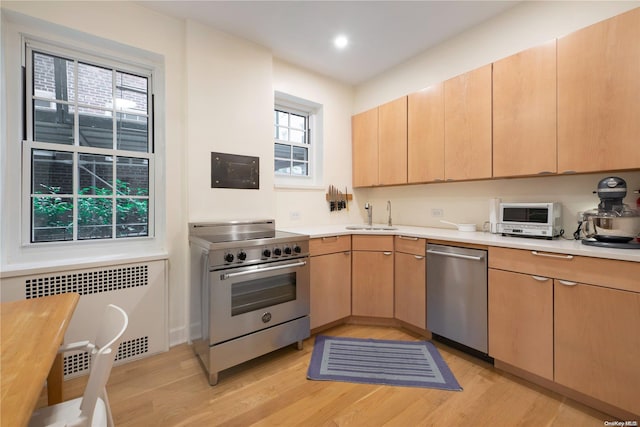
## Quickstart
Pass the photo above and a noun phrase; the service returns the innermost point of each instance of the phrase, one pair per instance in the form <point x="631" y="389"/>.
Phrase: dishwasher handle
<point x="454" y="255"/>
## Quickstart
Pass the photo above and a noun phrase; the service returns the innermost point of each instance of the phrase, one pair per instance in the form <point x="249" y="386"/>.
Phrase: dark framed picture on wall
<point x="235" y="171"/>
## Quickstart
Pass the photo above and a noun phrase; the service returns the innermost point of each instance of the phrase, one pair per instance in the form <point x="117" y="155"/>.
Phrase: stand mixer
<point x="612" y="224"/>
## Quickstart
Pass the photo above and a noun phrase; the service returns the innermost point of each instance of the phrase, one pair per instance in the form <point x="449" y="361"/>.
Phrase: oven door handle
<point x="260" y="270"/>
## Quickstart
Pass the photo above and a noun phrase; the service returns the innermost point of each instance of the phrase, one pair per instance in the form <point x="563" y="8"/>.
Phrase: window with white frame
<point x="88" y="149"/>
<point x="297" y="141"/>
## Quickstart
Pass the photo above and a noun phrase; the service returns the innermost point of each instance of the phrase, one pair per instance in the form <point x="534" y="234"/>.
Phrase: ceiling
<point x="381" y="34"/>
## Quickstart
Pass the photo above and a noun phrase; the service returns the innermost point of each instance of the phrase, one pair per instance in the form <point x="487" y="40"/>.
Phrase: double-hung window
<point x="297" y="141"/>
<point x="292" y="142"/>
<point x="88" y="148"/>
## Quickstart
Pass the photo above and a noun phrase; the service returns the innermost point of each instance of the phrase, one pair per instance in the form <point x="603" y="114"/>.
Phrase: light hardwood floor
<point x="171" y="389"/>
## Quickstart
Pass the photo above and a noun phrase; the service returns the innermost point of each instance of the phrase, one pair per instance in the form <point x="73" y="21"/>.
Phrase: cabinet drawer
<point x="598" y="271"/>
<point x="372" y="243"/>
<point x="410" y="245"/>
<point x="329" y="245"/>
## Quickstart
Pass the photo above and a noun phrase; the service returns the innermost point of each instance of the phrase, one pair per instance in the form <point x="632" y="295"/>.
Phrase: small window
<point x="88" y="152"/>
<point x="292" y="143"/>
<point x="297" y="141"/>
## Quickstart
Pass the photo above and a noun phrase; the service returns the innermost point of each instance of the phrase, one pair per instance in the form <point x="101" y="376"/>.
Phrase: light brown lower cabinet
<point x="591" y="330"/>
<point x="330" y="272"/>
<point x="372" y="277"/>
<point x="410" y="293"/>
<point x="521" y="321"/>
<point x="597" y="342"/>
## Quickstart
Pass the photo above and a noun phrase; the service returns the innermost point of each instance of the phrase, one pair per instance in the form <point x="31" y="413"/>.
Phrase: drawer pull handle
<point x="347" y="253"/>
<point x="567" y="283"/>
<point x="540" y="278"/>
<point x="536" y="253"/>
<point x="418" y="257"/>
<point x="407" y="238"/>
<point x="387" y="253"/>
<point x="324" y="239"/>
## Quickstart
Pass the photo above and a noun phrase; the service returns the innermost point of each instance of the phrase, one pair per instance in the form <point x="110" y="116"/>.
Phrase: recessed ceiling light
<point x="341" y="41"/>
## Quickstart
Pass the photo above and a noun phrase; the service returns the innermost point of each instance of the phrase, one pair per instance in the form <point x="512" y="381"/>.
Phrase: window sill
<point x="14" y="270"/>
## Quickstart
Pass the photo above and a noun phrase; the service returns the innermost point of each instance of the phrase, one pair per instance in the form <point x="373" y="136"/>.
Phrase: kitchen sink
<point x="369" y="227"/>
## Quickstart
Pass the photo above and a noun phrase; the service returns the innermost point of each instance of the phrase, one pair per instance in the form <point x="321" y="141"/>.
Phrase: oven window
<point x="261" y="293"/>
<point x="535" y="215"/>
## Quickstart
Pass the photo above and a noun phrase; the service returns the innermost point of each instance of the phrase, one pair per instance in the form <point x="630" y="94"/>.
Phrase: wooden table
<point x="32" y="331"/>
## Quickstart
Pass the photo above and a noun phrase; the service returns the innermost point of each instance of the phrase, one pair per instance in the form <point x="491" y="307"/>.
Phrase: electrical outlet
<point x="294" y="215"/>
<point x="437" y="212"/>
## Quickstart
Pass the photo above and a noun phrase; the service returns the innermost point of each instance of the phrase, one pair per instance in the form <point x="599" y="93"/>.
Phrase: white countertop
<point x="560" y="245"/>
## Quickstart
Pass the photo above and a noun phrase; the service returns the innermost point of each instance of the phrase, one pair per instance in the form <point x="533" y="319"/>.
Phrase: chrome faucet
<point x="389" y="209"/>
<point x="369" y="207"/>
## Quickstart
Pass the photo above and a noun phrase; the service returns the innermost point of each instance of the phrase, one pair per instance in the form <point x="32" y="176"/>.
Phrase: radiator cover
<point x="139" y="288"/>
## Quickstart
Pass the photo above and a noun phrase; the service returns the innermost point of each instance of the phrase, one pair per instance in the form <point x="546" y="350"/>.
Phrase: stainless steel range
<point x="249" y="291"/>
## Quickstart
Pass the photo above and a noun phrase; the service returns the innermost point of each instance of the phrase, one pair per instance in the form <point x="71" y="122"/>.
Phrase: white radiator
<point x="139" y="288"/>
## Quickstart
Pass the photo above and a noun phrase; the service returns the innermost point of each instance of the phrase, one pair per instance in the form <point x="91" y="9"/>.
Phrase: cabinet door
<point x="598" y="93"/>
<point x="330" y="288"/>
<point x="521" y="321"/>
<point x="597" y="343"/>
<point x="364" y="128"/>
<point x="467" y="125"/>
<point x="524" y="113"/>
<point x="392" y="142"/>
<point x="372" y="284"/>
<point x="410" y="289"/>
<point x="425" y="137"/>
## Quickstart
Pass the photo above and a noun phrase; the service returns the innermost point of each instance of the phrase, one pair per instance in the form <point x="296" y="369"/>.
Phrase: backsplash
<point x="468" y="202"/>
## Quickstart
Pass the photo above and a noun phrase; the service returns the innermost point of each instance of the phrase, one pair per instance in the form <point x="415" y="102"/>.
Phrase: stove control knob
<point x="287" y="250"/>
<point x="297" y="249"/>
<point x="277" y="251"/>
<point x="242" y="255"/>
<point x="266" y="253"/>
<point x="228" y="257"/>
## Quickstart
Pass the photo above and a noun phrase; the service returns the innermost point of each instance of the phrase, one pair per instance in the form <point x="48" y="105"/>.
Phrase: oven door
<point x="250" y="298"/>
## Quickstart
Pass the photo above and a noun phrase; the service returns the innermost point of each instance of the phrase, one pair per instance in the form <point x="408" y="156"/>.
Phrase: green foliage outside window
<point x="95" y="213"/>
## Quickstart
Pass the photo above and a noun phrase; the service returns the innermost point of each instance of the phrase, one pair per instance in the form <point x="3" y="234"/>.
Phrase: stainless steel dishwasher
<point x="457" y="295"/>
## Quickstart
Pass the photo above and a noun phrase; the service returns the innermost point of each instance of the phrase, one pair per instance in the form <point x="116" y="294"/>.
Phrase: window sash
<point x="306" y="144"/>
<point x="29" y="146"/>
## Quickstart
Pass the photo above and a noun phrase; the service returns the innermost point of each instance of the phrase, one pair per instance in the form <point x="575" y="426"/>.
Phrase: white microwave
<point x="530" y="219"/>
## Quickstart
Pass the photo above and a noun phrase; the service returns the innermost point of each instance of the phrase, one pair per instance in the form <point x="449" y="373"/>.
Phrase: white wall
<point x="305" y="207"/>
<point x="523" y="26"/>
<point x="229" y="99"/>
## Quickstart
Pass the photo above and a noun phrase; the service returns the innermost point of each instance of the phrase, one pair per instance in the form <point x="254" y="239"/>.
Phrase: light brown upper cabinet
<point x="392" y="142"/>
<point x="467" y="125"/>
<point x="364" y="128"/>
<point x="425" y="139"/>
<point x="599" y="96"/>
<point x="524" y="113"/>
